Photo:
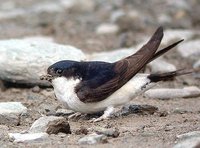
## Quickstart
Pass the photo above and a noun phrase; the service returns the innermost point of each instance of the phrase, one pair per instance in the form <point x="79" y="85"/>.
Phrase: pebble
<point x="28" y="138"/>
<point x="25" y="61"/>
<point x="93" y="139"/>
<point x="157" y="66"/>
<point x="190" y="49"/>
<point x="50" y="125"/>
<point x="170" y="93"/>
<point x="64" y="112"/>
<point x="10" y="112"/>
<point x="78" y="5"/>
<point x="197" y="65"/>
<point x="138" y="109"/>
<point x="110" y="132"/>
<point x="107" y="29"/>
<point x="36" y="89"/>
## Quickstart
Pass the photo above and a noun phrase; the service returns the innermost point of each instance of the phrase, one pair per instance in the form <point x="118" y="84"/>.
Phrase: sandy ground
<point x="174" y="117"/>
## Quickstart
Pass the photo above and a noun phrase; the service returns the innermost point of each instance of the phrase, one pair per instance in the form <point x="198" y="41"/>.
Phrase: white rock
<point x="51" y="125"/>
<point x="92" y="139"/>
<point x="160" y="65"/>
<point x="111" y="56"/>
<point x="107" y="29"/>
<point x="39" y="38"/>
<point x="188" y="140"/>
<point x="177" y="34"/>
<point x="25" y="61"/>
<point x="25" y="138"/>
<point x="65" y="112"/>
<point x="189" y="135"/>
<point x="49" y="7"/>
<point x="170" y="93"/>
<point x="189" y="143"/>
<point x="197" y="65"/>
<point x="190" y="49"/>
<point x="10" y="112"/>
<point x="12" y="108"/>
<point x="78" y="5"/>
<point x="116" y="15"/>
<point x="12" y="14"/>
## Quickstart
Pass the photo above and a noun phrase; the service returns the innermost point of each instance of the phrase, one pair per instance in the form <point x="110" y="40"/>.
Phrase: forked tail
<point x="170" y="75"/>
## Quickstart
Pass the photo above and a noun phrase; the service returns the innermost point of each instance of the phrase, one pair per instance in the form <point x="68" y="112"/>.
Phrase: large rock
<point x="10" y="112"/>
<point x="170" y="93"/>
<point x="111" y="56"/>
<point x="25" y="61"/>
<point x="188" y="140"/>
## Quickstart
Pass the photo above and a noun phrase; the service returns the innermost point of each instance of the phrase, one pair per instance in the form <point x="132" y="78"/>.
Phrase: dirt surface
<point x="174" y="117"/>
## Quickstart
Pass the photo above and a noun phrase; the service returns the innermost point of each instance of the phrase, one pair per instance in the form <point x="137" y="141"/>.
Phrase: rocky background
<point x="37" y="33"/>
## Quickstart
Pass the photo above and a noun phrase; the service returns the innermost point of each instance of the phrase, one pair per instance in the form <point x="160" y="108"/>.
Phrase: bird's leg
<point x="75" y="115"/>
<point x="107" y="113"/>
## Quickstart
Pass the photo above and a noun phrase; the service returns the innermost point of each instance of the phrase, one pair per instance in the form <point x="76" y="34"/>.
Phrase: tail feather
<point x="164" y="50"/>
<point x="169" y="75"/>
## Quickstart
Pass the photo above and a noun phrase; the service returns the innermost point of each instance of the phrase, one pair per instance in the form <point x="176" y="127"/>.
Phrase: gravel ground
<point x="77" y="25"/>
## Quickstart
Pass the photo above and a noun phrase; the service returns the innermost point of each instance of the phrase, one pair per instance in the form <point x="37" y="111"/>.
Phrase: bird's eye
<point x="59" y="71"/>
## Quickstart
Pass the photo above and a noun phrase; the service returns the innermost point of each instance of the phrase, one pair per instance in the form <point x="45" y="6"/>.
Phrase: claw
<point x="75" y="115"/>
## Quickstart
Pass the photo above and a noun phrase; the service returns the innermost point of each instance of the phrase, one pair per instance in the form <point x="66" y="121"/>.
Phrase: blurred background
<point x="95" y="25"/>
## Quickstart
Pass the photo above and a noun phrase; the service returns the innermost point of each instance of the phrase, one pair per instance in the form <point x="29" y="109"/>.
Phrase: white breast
<point x="64" y="91"/>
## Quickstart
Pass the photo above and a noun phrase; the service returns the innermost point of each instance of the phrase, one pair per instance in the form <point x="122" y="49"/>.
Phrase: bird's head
<point x="66" y="68"/>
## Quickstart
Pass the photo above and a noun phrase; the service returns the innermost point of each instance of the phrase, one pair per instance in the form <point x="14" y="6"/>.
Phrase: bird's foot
<point x="75" y="115"/>
<point x="107" y="113"/>
<point x="98" y="119"/>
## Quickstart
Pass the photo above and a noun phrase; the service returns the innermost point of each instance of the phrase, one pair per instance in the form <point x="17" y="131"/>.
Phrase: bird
<point x="93" y="86"/>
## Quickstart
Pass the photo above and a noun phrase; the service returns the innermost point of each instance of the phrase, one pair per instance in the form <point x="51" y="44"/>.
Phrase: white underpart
<point x="64" y="91"/>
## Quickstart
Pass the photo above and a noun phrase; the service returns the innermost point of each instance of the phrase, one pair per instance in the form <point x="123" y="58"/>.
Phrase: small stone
<point x="116" y="15"/>
<point x="196" y="66"/>
<point x="78" y="5"/>
<point x="93" y="139"/>
<point x="138" y="109"/>
<point x="107" y="29"/>
<point x="107" y="132"/>
<point x="29" y="137"/>
<point x="36" y="89"/>
<point x="157" y="66"/>
<point x="51" y="125"/>
<point x="64" y="112"/>
<point x="170" y="93"/>
<point x="190" y="49"/>
<point x="10" y="112"/>
<point x="82" y="130"/>
<point x="180" y="111"/>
